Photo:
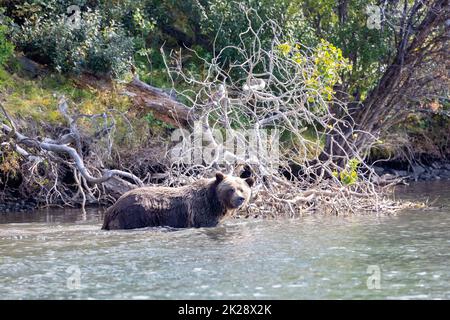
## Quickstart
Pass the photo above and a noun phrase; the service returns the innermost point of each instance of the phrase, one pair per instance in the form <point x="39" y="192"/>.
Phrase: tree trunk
<point x="369" y="117"/>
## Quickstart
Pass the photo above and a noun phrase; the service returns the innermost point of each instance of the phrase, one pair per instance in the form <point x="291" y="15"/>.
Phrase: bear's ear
<point x="219" y="176"/>
<point x="250" y="181"/>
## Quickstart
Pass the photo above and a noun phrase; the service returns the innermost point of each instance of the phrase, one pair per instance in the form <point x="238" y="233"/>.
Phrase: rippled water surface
<point x="62" y="254"/>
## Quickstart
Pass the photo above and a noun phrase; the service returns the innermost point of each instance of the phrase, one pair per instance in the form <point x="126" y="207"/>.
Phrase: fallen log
<point x="144" y="96"/>
<point x="148" y="98"/>
<point x="163" y="106"/>
<point x="58" y="148"/>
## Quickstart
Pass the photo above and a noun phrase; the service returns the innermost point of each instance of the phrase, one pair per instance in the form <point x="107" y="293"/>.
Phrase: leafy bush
<point x="213" y="24"/>
<point x="6" y="47"/>
<point x="94" y="44"/>
<point x="329" y="63"/>
<point x="349" y="175"/>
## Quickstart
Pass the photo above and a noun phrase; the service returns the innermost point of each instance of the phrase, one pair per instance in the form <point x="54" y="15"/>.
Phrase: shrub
<point x="349" y="175"/>
<point x="6" y="47"/>
<point x="94" y="45"/>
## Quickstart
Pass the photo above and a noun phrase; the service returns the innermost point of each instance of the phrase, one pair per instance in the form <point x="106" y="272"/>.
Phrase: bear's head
<point x="233" y="192"/>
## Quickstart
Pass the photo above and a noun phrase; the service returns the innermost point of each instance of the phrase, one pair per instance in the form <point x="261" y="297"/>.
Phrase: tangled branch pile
<point x="270" y="111"/>
<point x="46" y="162"/>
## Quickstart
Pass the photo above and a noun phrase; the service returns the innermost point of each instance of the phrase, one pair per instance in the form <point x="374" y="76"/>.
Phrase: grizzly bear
<point x="202" y="204"/>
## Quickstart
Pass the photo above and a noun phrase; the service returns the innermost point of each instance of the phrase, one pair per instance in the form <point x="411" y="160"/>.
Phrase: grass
<point x="33" y="103"/>
<point x="37" y="99"/>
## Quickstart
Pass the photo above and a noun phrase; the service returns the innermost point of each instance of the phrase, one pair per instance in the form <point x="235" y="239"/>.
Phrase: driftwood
<point x="36" y="150"/>
<point x="62" y="148"/>
<point x="163" y="106"/>
<point x="272" y="98"/>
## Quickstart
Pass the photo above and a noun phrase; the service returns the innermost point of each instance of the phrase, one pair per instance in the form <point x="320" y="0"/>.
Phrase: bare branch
<point x="57" y="148"/>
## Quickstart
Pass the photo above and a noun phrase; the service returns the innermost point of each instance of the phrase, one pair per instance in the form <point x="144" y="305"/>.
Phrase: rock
<point x="426" y="176"/>
<point x="436" y="165"/>
<point x="436" y="172"/>
<point x="31" y="68"/>
<point x="445" y="174"/>
<point x="418" y="170"/>
<point x="387" y="177"/>
<point x="17" y="206"/>
<point x="378" y="170"/>
<point x="400" y="173"/>
<point x="446" y="166"/>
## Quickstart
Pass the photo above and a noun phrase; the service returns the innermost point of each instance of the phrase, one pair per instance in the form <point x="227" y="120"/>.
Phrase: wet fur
<point x="202" y="204"/>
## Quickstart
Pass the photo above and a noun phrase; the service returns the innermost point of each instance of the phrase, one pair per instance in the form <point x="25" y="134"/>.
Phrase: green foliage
<point x="349" y="175"/>
<point x="329" y="64"/>
<point x="93" y="47"/>
<point x="369" y="50"/>
<point x="153" y="122"/>
<point x="142" y="24"/>
<point x="6" y="47"/>
<point x="212" y="24"/>
<point x="110" y="36"/>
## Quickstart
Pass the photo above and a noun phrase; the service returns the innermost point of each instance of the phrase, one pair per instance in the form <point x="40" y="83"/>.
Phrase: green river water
<point x="60" y="254"/>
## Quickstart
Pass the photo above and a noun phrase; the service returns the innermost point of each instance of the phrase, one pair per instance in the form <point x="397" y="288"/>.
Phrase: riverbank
<point x="113" y="132"/>
<point x="388" y="172"/>
<point x="435" y="170"/>
<point x="18" y="205"/>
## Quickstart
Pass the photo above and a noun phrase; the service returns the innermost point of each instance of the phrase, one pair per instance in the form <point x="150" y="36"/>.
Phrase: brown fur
<point x="203" y="204"/>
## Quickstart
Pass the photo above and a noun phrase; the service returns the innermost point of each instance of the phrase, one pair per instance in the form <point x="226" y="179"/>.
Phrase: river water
<point x="59" y="254"/>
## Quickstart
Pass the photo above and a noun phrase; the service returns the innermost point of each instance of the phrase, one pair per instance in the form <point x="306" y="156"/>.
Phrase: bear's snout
<point x="238" y="201"/>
